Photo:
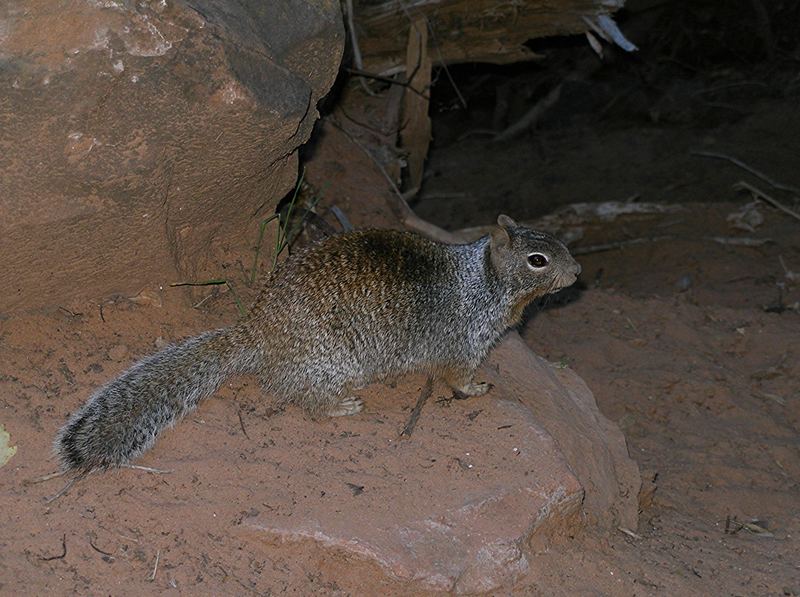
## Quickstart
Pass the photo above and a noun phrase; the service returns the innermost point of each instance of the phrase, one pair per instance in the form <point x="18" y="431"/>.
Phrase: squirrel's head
<point x="532" y="263"/>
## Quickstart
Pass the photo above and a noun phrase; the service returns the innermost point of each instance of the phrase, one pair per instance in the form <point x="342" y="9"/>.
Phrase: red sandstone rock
<point x="455" y="506"/>
<point x="136" y="138"/>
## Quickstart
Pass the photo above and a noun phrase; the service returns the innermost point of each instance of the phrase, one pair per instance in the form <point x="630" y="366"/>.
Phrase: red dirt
<point x="704" y="384"/>
<point x="672" y="337"/>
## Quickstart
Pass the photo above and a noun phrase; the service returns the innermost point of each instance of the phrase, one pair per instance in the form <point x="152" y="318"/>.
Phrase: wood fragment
<point x="787" y="273"/>
<point x="769" y="396"/>
<point x="618" y="245"/>
<point x="152" y="576"/>
<point x="398" y="203"/>
<point x="241" y="424"/>
<point x="757" y="173"/>
<point x="424" y="394"/>
<point x="63" y="490"/>
<point x="342" y="218"/>
<point x="147" y="469"/>
<point x="756" y="192"/>
<point x="416" y="135"/>
<point x="629" y="533"/>
<point x="468" y="31"/>
<point x="44" y="478"/>
<point x="357" y="59"/>
<point x="531" y="117"/>
<point x="740" y="241"/>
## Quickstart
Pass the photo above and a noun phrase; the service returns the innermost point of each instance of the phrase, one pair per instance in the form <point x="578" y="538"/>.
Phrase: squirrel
<point x="356" y="308"/>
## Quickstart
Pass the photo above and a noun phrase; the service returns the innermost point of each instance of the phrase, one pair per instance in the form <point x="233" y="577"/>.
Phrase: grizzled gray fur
<point x="356" y="308"/>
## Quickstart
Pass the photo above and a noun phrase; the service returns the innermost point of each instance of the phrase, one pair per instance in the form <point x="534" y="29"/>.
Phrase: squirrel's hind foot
<point x="473" y="389"/>
<point x="348" y="406"/>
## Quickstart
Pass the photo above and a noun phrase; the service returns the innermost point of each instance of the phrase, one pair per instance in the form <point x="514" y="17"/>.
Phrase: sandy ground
<point x="704" y="383"/>
<point x="690" y="345"/>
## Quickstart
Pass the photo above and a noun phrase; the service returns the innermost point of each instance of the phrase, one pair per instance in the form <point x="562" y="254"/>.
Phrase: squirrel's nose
<point x="577" y="268"/>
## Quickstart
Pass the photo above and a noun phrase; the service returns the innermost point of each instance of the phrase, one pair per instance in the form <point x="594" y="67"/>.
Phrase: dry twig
<point x="152" y="576"/>
<point x="758" y="193"/>
<point x="740" y="241"/>
<point x="357" y="59"/>
<point x="400" y="205"/>
<point x="757" y="173"/>
<point x="44" y="478"/>
<point x="64" y="489"/>
<point x="531" y="116"/>
<point x="618" y="245"/>
<point x="147" y="469"/>
<point x="241" y="424"/>
<point x="426" y="392"/>
<point x="629" y="533"/>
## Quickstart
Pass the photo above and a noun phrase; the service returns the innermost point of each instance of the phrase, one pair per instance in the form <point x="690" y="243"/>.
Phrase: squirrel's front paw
<point x="473" y="389"/>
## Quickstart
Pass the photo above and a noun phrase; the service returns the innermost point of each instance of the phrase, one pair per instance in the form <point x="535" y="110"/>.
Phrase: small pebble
<point x="118" y="352"/>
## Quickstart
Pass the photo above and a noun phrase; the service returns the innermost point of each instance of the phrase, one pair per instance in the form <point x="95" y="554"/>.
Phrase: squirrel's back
<point x="367" y="305"/>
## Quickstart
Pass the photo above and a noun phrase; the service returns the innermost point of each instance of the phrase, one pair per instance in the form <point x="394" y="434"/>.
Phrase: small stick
<point x="44" y="478"/>
<point x="531" y="116"/>
<point x="241" y="424"/>
<point x="98" y="550"/>
<point x="773" y="183"/>
<point x="400" y="206"/>
<point x="426" y="392"/>
<point x="343" y="219"/>
<point x="618" y="245"/>
<point x="740" y="241"/>
<point x="788" y="274"/>
<point x="147" y="469"/>
<point x="63" y="551"/>
<point x="389" y="80"/>
<point x="357" y="59"/>
<point x="202" y="301"/>
<point x="758" y="193"/>
<point x="629" y="533"/>
<point x="63" y="490"/>
<point x="361" y="123"/>
<point x="152" y="576"/>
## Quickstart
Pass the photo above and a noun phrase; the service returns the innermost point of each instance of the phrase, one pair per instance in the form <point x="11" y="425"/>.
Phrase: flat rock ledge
<point x="455" y="506"/>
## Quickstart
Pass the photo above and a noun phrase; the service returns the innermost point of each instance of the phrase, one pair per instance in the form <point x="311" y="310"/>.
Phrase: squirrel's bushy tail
<point x="122" y="419"/>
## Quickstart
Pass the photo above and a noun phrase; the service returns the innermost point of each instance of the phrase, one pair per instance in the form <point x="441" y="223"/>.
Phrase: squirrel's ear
<point x="506" y="222"/>
<point x="500" y="237"/>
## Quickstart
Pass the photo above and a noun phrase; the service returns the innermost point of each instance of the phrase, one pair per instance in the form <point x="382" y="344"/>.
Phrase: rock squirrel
<point x="355" y="308"/>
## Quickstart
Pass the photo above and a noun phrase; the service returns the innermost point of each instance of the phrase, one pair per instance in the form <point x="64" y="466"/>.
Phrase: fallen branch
<point x="152" y="575"/>
<point x="618" y="245"/>
<point x="388" y="80"/>
<point x="531" y="116"/>
<point x="398" y="202"/>
<point x="740" y="241"/>
<point x="759" y="194"/>
<point x="426" y="392"/>
<point x="757" y="173"/>
<point x="241" y="424"/>
<point x="147" y="469"/>
<point x="357" y="59"/>
<point x="64" y="489"/>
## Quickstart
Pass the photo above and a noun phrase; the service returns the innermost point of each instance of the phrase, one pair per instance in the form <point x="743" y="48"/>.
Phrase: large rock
<point x="457" y="505"/>
<point x="138" y="137"/>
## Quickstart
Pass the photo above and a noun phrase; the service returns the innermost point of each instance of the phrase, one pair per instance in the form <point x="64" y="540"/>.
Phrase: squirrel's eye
<point x="537" y="260"/>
